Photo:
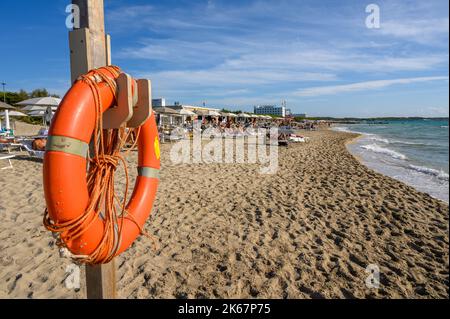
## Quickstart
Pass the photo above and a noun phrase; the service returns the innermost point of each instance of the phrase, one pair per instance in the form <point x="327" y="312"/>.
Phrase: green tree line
<point x="13" y="98"/>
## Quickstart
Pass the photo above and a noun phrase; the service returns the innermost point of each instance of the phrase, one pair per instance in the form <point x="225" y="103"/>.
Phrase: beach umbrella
<point x="41" y="101"/>
<point x="7" y="109"/>
<point x="5" y="106"/>
<point x="213" y="113"/>
<point x="12" y="113"/>
<point x="165" y="110"/>
<point x="36" y="113"/>
<point x="186" y="112"/>
<point x="39" y="113"/>
<point x="229" y="114"/>
<point x="41" y="104"/>
<point x="43" y="114"/>
<point x="29" y="108"/>
<point x="243" y="116"/>
<point x="202" y="112"/>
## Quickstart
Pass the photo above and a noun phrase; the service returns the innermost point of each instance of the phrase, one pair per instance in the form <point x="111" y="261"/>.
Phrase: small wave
<point x="430" y="171"/>
<point x="341" y="129"/>
<point x="378" y="149"/>
<point x="347" y="130"/>
<point x="379" y="139"/>
<point x="444" y="126"/>
<point x="407" y="142"/>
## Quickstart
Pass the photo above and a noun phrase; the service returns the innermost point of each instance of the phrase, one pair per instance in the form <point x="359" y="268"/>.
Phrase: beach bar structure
<point x="167" y="115"/>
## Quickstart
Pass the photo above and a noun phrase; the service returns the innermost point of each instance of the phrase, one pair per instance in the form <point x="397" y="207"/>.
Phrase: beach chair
<point x="10" y="146"/>
<point x="283" y="140"/>
<point x="298" y="138"/>
<point x="33" y="153"/>
<point x="7" y="158"/>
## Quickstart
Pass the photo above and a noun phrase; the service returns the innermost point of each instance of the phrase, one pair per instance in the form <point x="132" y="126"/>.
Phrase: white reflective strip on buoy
<point x="66" y="144"/>
<point x="148" y="172"/>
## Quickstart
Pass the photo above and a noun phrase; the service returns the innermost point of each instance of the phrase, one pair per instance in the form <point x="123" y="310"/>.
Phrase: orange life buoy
<point x="65" y="162"/>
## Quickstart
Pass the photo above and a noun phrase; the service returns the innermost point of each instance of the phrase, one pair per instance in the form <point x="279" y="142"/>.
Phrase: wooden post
<point x="89" y="49"/>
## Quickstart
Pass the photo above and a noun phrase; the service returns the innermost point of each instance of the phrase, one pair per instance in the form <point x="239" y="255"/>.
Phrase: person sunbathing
<point x="39" y="144"/>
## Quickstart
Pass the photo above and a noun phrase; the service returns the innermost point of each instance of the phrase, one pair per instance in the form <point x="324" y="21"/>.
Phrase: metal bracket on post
<point x="143" y="108"/>
<point x="115" y="117"/>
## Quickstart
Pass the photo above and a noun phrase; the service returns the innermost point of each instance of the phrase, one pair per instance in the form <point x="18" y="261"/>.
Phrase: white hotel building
<point x="270" y="110"/>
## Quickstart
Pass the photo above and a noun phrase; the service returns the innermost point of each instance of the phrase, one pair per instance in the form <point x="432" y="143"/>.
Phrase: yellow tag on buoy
<point x="157" y="151"/>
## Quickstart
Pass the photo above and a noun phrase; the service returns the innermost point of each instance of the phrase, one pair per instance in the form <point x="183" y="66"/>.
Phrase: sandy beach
<point x="226" y="231"/>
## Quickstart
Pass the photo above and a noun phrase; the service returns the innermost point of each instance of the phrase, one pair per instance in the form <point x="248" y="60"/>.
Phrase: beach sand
<point x="226" y="231"/>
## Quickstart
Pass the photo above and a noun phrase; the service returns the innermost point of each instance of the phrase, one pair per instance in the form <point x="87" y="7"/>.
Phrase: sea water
<point x="414" y="151"/>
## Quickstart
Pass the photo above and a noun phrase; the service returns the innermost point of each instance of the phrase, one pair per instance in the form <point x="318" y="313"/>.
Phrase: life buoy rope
<point x="104" y="211"/>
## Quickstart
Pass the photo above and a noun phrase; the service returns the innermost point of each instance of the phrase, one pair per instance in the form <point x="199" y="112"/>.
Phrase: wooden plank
<point x="114" y="117"/>
<point x="143" y="108"/>
<point x="92" y="17"/>
<point x="80" y="50"/>
<point x="100" y="279"/>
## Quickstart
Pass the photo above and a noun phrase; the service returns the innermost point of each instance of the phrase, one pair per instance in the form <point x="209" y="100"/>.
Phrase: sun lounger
<point x="298" y="138"/>
<point x="10" y="146"/>
<point x="283" y="140"/>
<point x="33" y="153"/>
<point x="283" y="143"/>
<point x="7" y="158"/>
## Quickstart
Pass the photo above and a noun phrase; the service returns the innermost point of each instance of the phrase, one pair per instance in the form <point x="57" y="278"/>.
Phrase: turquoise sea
<point x="414" y="151"/>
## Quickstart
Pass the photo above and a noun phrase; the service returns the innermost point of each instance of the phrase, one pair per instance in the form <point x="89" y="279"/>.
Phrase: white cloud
<point x="336" y="60"/>
<point x="263" y="50"/>
<point x="426" y="31"/>
<point x="435" y="111"/>
<point x="222" y="78"/>
<point x="127" y="12"/>
<point x="363" y="86"/>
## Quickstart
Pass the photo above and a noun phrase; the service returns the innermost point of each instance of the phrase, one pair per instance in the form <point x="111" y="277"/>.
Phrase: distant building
<point x="159" y="102"/>
<point x="301" y="115"/>
<point x="288" y="112"/>
<point x="270" y="110"/>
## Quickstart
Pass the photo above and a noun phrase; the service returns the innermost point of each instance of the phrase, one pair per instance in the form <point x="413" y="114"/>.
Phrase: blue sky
<point x="319" y="56"/>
